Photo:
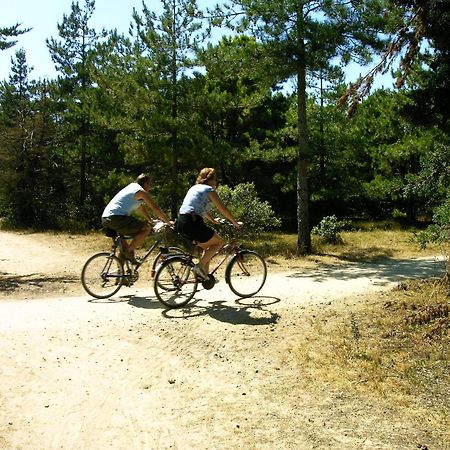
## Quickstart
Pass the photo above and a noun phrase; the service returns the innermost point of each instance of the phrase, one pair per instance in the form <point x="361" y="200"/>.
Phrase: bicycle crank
<point x="209" y="283"/>
<point x="130" y="278"/>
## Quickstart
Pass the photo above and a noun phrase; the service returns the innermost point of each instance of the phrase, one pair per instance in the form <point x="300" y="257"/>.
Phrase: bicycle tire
<point x="102" y="275"/>
<point x="175" y="283"/>
<point x="246" y="273"/>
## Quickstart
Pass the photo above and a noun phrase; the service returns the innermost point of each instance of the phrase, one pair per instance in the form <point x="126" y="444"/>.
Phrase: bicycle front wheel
<point x="102" y="275"/>
<point x="175" y="283"/>
<point x="246" y="273"/>
<point x="162" y="255"/>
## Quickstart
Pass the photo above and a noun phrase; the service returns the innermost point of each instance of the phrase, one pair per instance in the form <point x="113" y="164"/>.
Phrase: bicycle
<point x="175" y="283"/>
<point x="104" y="273"/>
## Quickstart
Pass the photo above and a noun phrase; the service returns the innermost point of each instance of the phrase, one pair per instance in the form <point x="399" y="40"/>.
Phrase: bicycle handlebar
<point x="159" y="225"/>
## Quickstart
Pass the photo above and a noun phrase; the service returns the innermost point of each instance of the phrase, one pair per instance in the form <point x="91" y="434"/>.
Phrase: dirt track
<point x="78" y="373"/>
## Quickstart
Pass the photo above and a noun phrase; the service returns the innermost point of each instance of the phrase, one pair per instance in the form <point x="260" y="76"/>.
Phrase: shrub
<point x="329" y="229"/>
<point x="438" y="232"/>
<point x="244" y="203"/>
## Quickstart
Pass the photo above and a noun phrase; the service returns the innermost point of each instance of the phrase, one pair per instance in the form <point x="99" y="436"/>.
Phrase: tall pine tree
<point x="74" y="57"/>
<point x="302" y="37"/>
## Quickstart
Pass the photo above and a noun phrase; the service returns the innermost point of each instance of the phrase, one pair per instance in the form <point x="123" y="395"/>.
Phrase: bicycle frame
<point x="229" y="249"/>
<point x="147" y="253"/>
<point x="133" y="269"/>
<point x="118" y="244"/>
<point x="102" y="268"/>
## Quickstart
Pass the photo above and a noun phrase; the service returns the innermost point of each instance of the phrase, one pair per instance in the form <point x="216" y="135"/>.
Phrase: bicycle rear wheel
<point x="175" y="283"/>
<point x="246" y="273"/>
<point x="102" y="275"/>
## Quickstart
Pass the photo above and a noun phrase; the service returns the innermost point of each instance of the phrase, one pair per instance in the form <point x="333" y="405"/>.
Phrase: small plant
<point x="329" y="229"/>
<point x="245" y="204"/>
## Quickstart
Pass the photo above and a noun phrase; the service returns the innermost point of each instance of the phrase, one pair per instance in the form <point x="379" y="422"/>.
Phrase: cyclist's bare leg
<point x="139" y="238"/>
<point x="210" y="248"/>
<point x="124" y="244"/>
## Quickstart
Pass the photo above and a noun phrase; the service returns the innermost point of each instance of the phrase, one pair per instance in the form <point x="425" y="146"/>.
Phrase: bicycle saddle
<point x="110" y="232"/>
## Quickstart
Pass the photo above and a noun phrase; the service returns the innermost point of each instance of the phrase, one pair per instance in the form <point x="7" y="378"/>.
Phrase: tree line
<point x="266" y="104"/>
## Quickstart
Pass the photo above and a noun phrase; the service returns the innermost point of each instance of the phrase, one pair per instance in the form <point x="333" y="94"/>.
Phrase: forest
<point x="266" y="104"/>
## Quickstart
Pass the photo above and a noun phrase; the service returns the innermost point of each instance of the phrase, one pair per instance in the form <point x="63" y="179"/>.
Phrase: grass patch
<point x="376" y="244"/>
<point x="395" y="345"/>
<point x="359" y="245"/>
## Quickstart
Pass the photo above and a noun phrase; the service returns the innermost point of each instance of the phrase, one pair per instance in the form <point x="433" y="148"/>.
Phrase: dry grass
<point x="399" y="338"/>
<point x="393" y="347"/>
<point x="362" y="245"/>
<point x="368" y="243"/>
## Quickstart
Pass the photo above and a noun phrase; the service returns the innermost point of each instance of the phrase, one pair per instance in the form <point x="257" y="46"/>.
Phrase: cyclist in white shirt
<point x="117" y="214"/>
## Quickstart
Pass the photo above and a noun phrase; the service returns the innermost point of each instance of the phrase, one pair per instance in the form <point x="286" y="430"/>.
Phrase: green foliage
<point x="431" y="183"/>
<point x="438" y="233"/>
<point x="130" y="104"/>
<point x="329" y="229"/>
<point x="246" y="206"/>
<point x="439" y="230"/>
<point x="167" y="45"/>
<point x="32" y="188"/>
<point x="8" y="33"/>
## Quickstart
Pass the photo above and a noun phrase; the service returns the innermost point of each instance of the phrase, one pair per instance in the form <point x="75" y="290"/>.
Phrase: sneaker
<point x="199" y="271"/>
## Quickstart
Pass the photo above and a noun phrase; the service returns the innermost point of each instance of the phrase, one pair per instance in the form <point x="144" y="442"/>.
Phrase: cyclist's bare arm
<point x="227" y="222"/>
<point x="223" y="209"/>
<point x="143" y="195"/>
<point x="212" y="219"/>
<point x="143" y="211"/>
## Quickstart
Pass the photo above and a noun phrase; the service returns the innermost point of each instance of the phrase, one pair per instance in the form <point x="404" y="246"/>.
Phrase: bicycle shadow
<point x="249" y="311"/>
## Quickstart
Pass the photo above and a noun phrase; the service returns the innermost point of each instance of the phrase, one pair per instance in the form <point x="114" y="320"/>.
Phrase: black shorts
<point x="126" y="225"/>
<point x="193" y="227"/>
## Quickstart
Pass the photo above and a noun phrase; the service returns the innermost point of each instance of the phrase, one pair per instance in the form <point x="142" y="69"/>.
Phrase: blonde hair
<point x="206" y="174"/>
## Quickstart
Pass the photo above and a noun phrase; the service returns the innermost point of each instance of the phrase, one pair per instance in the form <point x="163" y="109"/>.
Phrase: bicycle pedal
<point x="209" y="283"/>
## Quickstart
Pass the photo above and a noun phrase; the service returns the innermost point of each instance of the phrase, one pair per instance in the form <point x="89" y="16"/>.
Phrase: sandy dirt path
<point x="123" y="373"/>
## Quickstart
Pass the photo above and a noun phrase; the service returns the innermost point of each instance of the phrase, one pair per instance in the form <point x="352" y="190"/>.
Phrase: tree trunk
<point x="304" y="234"/>
<point x="174" y="133"/>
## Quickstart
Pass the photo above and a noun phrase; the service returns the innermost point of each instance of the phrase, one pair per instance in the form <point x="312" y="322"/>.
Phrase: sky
<point x="44" y="15"/>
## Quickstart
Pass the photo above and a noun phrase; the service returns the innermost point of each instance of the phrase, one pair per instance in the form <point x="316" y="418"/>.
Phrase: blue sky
<point x="44" y="15"/>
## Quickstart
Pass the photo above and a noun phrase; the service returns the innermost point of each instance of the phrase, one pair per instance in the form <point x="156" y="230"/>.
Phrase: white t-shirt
<point x="123" y="203"/>
<point x="197" y="200"/>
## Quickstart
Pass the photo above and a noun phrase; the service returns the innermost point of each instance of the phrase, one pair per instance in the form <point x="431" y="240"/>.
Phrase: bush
<point x="244" y="203"/>
<point x="438" y="232"/>
<point x="329" y="229"/>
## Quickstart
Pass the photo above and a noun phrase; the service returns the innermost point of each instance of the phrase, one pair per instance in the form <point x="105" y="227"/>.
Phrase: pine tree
<point x="169" y="42"/>
<point x="11" y="32"/>
<point x="301" y="38"/>
<point x="74" y="57"/>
